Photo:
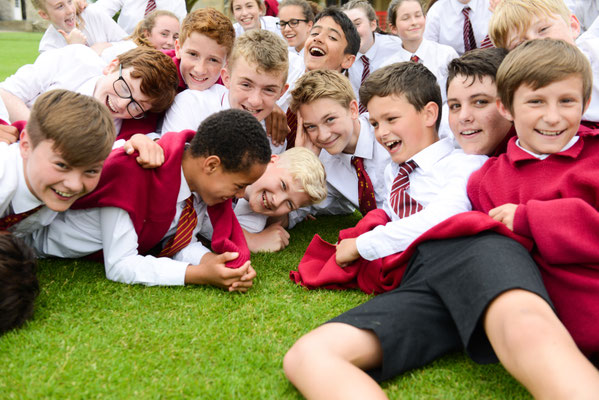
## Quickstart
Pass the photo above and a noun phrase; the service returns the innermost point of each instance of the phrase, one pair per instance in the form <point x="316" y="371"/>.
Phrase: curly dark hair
<point x="235" y="136"/>
<point x="18" y="282"/>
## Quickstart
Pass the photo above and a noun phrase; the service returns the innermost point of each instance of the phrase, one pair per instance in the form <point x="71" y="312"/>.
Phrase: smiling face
<point x="547" y="118"/>
<point x="164" y="33"/>
<point x="401" y="129"/>
<point x="247" y="13"/>
<point x="51" y="179"/>
<point x="251" y="89"/>
<point x="364" y="27"/>
<point x="331" y="126"/>
<point x="295" y="36"/>
<point x="60" y="13"/>
<point x="473" y="115"/>
<point x="541" y="27"/>
<point x="276" y="193"/>
<point x="325" y="47"/>
<point x="202" y="58"/>
<point x="105" y="93"/>
<point x="410" y="22"/>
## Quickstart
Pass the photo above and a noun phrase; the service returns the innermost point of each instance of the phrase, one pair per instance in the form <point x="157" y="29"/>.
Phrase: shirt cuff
<point x="366" y="248"/>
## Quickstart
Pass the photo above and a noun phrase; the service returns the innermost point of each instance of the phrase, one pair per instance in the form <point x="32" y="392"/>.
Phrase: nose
<point x="71" y="8"/>
<point x="170" y="42"/>
<point x="240" y="193"/>
<point x="551" y="115"/>
<point x="254" y="98"/>
<point x="73" y="182"/>
<point x="199" y="67"/>
<point x="465" y="114"/>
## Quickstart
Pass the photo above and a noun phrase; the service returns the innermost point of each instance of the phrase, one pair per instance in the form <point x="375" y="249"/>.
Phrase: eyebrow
<point x="328" y="28"/>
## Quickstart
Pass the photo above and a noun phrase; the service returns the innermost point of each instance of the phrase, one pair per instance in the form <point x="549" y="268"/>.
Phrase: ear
<point x="348" y="60"/>
<point x="178" y="48"/>
<point x="373" y="25"/>
<point x="431" y="110"/>
<point x="43" y="15"/>
<point x="25" y="145"/>
<point x="211" y="164"/>
<point x="393" y="29"/>
<point x="505" y="113"/>
<point x="226" y="77"/>
<point x="111" y="67"/>
<point x="283" y="90"/>
<point x="354" y="109"/>
<point x="586" y="106"/>
<point x="574" y="26"/>
<point x="274" y="158"/>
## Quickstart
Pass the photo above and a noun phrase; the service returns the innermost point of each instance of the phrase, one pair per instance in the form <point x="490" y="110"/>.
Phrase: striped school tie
<point x="402" y="204"/>
<point x="150" y="7"/>
<point x="13" y="219"/>
<point x="365" y="73"/>
<point x="415" y="58"/>
<point x="292" y="124"/>
<point x="366" y="199"/>
<point x="187" y="222"/>
<point x="469" y="40"/>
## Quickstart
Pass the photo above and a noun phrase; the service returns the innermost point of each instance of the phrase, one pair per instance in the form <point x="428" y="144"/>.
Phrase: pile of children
<point x="473" y="173"/>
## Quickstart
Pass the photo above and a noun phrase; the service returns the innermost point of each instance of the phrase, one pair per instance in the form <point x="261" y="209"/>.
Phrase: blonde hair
<point x="139" y="35"/>
<point x="264" y="49"/>
<point x="305" y="167"/>
<point x="512" y="16"/>
<point x="322" y="84"/>
<point x="57" y="115"/>
<point x="538" y="63"/>
<point x="41" y="5"/>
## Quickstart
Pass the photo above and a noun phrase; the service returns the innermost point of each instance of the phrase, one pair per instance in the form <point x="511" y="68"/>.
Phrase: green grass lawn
<point x="92" y="338"/>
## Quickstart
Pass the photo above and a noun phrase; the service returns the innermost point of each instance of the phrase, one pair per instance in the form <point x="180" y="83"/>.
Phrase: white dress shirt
<point x="592" y="32"/>
<point x="98" y="28"/>
<point x="342" y="180"/>
<point x="590" y="48"/>
<point x="433" y="55"/>
<point x="384" y="47"/>
<point x="15" y="196"/>
<point x="132" y="11"/>
<point x="4" y="112"/>
<point x="585" y="10"/>
<point x="438" y="184"/>
<point x="266" y="22"/>
<point x="445" y="22"/>
<point x="77" y="233"/>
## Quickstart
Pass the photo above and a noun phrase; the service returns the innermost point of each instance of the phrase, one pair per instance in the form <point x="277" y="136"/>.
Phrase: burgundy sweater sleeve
<point x="565" y="231"/>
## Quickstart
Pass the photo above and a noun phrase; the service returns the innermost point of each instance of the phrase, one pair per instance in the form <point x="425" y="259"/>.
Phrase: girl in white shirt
<point x="296" y="18"/>
<point x="249" y="14"/>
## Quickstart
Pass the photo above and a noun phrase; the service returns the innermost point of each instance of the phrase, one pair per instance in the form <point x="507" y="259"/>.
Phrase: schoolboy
<point x="137" y="81"/>
<point x="295" y="178"/>
<point x="446" y="23"/>
<point x="329" y="120"/>
<point x="228" y="153"/>
<point x="333" y="42"/>
<point x="453" y="292"/>
<point x="515" y="21"/>
<point x="254" y="79"/>
<point x="18" y="282"/>
<point x="474" y="119"/>
<point x="67" y="26"/>
<point x="545" y="87"/>
<point x="56" y="161"/>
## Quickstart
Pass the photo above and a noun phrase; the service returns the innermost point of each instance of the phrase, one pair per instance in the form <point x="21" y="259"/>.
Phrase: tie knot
<point x="365" y="60"/>
<point x="189" y="201"/>
<point x="415" y="58"/>
<point x="408" y="167"/>
<point x="356" y="161"/>
<point x="466" y="11"/>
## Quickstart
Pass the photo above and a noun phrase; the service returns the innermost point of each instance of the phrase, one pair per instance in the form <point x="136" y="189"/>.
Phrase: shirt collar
<point x="428" y="157"/>
<point x="365" y="145"/>
<point x="458" y="7"/>
<point x="23" y="200"/>
<point x="515" y="153"/>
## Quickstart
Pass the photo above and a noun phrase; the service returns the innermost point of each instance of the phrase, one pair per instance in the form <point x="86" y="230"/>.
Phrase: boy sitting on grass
<point x="481" y="293"/>
<point x="160" y="211"/>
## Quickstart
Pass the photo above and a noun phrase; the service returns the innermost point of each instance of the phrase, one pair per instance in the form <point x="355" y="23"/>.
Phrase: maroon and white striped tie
<point x="402" y="204"/>
<point x="185" y="226"/>
<point x="469" y="40"/>
<point x="150" y="7"/>
<point x="365" y="73"/>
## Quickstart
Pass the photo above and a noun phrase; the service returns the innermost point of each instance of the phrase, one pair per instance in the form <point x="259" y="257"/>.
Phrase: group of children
<point x="491" y="255"/>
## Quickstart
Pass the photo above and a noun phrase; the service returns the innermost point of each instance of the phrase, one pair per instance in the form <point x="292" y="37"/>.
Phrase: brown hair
<point x="18" y="282"/>
<point x="321" y="84"/>
<point x="58" y="115"/>
<point x="145" y="26"/>
<point x="211" y="23"/>
<point x="158" y="74"/>
<point x="476" y="63"/>
<point x="260" y="4"/>
<point x="538" y="63"/>
<point x="265" y="49"/>
<point x="413" y="81"/>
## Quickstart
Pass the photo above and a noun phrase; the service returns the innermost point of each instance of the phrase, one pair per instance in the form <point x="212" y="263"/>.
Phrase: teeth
<point x="250" y="110"/>
<point x="471" y="132"/>
<point x="64" y="194"/>
<point x="392" y="143"/>
<point x="549" y="133"/>
<point x="264" y="202"/>
<point x="110" y="105"/>
<point x="315" y="51"/>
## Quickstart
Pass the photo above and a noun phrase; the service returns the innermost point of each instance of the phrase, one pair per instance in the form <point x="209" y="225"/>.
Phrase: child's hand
<point x="151" y="155"/>
<point x="212" y="271"/>
<point x="74" y="37"/>
<point x="505" y="214"/>
<point x="346" y="252"/>
<point x="8" y="134"/>
<point x="302" y="139"/>
<point x="272" y="238"/>
<point x="276" y="126"/>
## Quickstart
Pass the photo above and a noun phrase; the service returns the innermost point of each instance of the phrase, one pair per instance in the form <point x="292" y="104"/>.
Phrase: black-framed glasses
<point x="124" y="92"/>
<point x="292" y="23"/>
